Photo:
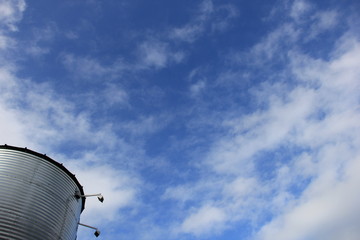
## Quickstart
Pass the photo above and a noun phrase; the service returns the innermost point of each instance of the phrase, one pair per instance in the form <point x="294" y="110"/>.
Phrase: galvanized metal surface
<point x="37" y="197"/>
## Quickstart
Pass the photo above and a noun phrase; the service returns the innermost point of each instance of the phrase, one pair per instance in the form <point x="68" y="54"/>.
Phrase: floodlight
<point x="96" y="233"/>
<point x="100" y="197"/>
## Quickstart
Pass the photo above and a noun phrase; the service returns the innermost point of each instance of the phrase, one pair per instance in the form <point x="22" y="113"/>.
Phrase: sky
<point x="201" y="119"/>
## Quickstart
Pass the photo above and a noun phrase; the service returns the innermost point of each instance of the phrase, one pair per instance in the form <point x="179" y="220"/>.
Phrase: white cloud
<point x="11" y="126"/>
<point x="300" y="9"/>
<point x="118" y="187"/>
<point x="40" y="40"/>
<point x="327" y="19"/>
<point x="115" y="95"/>
<point x="188" y="33"/>
<point x="71" y="35"/>
<point x="91" y="69"/>
<point x="157" y="54"/>
<point x="209" y="16"/>
<point x="320" y="23"/>
<point x="208" y="218"/>
<point x="197" y="87"/>
<point x="223" y="18"/>
<point x="206" y="7"/>
<point x="240" y="187"/>
<point x="154" y="54"/>
<point x="32" y="115"/>
<point x="327" y="210"/>
<point x="308" y="23"/>
<point x="305" y="14"/>
<point x="146" y="125"/>
<point x="180" y="193"/>
<point x="5" y="42"/>
<point x="272" y="45"/>
<point x="44" y="118"/>
<point x="12" y="130"/>
<point x="316" y="111"/>
<point x="11" y="12"/>
<point x="191" y="31"/>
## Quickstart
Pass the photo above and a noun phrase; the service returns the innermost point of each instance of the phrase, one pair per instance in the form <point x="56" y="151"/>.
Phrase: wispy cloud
<point x="205" y="219"/>
<point x="266" y="142"/>
<point x="322" y="22"/>
<point x="86" y="67"/>
<point x="157" y="54"/>
<point x="299" y="9"/>
<point x="11" y="12"/>
<point x="209" y="17"/>
<point x="43" y="121"/>
<point x="295" y="152"/>
<point x="40" y="41"/>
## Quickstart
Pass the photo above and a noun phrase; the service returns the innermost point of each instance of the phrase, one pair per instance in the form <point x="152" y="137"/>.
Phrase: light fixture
<point x="97" y="232"/>
<point x="99" y="196"/>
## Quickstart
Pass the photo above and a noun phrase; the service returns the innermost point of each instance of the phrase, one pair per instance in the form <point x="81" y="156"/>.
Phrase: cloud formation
<point x="11" y="12"/>
<point x="209" y="17"/>
<point x="261" y="139"/>
<point x="296" y="153"/>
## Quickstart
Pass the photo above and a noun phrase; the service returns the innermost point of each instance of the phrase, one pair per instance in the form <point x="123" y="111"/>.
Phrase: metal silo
<point x="37" y="197"/>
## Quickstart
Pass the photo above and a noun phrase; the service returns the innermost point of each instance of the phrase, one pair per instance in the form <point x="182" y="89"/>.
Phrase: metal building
<point x="37" y="197"/>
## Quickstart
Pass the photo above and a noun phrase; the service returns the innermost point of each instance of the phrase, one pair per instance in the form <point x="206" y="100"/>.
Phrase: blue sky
<point x="196" y="119"/>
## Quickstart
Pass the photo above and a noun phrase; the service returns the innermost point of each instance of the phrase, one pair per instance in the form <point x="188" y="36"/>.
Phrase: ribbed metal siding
<point x="36" y="198"/>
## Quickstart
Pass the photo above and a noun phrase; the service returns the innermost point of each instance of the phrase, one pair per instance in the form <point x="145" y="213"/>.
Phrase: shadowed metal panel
<point x="37" y="197"/>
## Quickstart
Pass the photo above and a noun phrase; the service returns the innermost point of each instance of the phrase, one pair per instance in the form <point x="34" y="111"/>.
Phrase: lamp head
<point x="97" y="233"/>
<point x="101" y="198"/>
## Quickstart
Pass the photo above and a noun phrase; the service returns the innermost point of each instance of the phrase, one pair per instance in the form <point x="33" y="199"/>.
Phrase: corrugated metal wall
<point x="37" y="197"/>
